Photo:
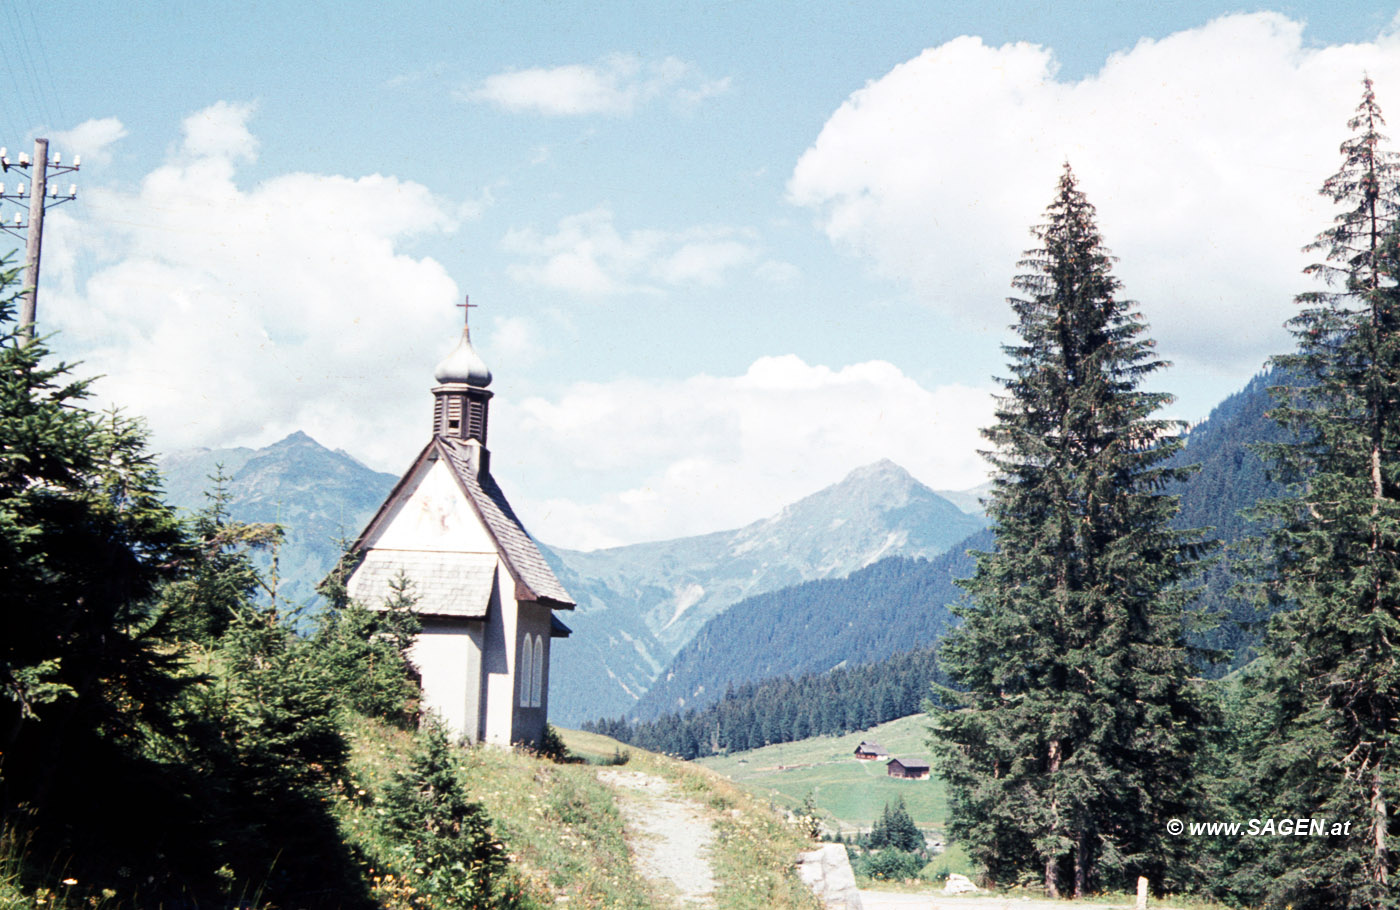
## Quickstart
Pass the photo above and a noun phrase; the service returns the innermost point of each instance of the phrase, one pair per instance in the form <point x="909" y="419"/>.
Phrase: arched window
<point x="537" y="688"/>
<point x="526" y="674"/>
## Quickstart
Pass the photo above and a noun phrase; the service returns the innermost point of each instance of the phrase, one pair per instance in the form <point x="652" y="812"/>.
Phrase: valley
<point x="851" y="792"/>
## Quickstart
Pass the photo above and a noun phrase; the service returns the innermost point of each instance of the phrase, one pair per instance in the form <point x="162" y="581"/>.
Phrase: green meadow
<point x="852" y="793"/>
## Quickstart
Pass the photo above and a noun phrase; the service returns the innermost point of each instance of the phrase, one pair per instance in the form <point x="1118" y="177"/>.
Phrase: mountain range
<point x="638" y="605"/>
<point x="681" y="619"/>
<point x="893" y="606"/>
<point x="319" y="496"/>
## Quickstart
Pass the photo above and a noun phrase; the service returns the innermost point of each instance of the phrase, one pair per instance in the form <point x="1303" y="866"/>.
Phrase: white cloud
<point x="589" y="256"/>
<point x="1203" y="152"/>
<point x="220" y="131"/>
<point x="91" y="140"/>
<point x="614" y="86"/>
<point x="705" y="90"/>
<point x="718" y="452"/>
<point x="703" y="261"/>
<point x="228" y="315"/>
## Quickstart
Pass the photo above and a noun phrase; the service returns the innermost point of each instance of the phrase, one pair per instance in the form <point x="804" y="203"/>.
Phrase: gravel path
<point x="670" y="837"/>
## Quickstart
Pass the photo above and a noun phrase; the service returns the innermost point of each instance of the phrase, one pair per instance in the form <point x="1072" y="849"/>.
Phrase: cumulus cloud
<point x="220" y="131"/>
<point x="615" y="86"/>
<point x="91" y="139"/>
<point x="721" y="451"/>
<point x="589" y="256"/>
<point x="1203" y="152"/>
<point x="232" y="315"/>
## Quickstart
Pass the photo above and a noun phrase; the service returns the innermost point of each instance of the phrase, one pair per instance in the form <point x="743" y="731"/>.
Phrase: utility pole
<point x="41" y="197"/>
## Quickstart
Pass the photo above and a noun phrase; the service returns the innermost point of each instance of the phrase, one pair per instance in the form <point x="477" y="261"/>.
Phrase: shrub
<point x="889" y="865"/>
<point x="552" y="747"/>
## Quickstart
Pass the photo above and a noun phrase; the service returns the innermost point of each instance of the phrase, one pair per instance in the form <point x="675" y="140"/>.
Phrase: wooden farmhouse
<point x="869" y="750"/>
<point x="908" y="768"/>
<point x="485" y="595"/>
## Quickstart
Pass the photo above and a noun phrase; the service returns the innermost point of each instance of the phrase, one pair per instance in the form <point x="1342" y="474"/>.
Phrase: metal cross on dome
<point x="467" y="306"/>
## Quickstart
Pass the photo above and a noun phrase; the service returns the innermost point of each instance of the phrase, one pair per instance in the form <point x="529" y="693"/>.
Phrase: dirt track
<point x="670" y="837"/>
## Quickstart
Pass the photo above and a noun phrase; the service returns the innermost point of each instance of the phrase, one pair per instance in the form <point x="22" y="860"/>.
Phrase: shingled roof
<point x="444" y="584"/>
<point x="870" y="747"/>
<point x="516" y="546"/>
<point x="534" y="579"/>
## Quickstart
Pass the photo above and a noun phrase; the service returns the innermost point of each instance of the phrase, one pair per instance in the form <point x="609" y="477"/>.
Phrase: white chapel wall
<point x="432" y="513"/>
<point x="448" y="656"/>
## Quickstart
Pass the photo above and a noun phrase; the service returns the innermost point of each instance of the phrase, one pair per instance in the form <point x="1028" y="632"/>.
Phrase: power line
<point x="41" y="196"/>
<point x="19" y="46"/>
<point x="44" y="60"/>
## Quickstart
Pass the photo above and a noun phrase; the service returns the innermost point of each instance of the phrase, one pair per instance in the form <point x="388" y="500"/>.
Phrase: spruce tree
<point x="85" y="545"/>
<point x="442" y="838"/>
<point x="1327" y="742"/>
<point x="1068" y="746"/>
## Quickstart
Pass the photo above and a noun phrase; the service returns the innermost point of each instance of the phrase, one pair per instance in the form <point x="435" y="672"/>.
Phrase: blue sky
<point x="724" y="252"/>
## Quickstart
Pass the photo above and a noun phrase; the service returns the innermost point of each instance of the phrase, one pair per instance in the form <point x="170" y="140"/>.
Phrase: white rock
<point x="959" y="884"/>
<point x="827" y="871"/>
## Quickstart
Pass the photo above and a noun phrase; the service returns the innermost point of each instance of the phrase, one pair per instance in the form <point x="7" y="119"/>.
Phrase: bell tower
<point x="461" y="398"/>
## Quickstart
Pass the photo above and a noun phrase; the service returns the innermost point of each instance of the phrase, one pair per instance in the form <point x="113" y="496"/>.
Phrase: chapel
<point x="486" y="597"/>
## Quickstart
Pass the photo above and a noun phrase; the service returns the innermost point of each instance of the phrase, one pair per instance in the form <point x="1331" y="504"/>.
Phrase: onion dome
<point x="464" y="365"/>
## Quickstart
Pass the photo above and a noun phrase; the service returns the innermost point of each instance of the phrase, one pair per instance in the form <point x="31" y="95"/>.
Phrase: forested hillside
<point x="892" y="606"/>
<point x="788" y="709"/>
<point x="1231" y="479"/>
<point x="1232" y="476"/>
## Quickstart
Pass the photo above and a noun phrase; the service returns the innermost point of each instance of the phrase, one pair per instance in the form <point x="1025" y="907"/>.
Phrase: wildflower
<point x="70" y="882"/>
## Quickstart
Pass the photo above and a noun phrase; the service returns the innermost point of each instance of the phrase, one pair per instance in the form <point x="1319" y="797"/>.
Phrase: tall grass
<point x="559" y="825"/>
<point x="30" y="882"/>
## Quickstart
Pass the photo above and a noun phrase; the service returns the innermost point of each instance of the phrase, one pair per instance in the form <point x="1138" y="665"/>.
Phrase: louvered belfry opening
<point x="459" y="412"/>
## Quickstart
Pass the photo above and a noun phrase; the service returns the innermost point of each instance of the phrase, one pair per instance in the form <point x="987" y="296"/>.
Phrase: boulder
<point x="959" y="884"/>
<point x="827" y="871"/>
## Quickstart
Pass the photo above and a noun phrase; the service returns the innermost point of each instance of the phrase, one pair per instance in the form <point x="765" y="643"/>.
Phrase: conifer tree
<point x="1070" y="746"/>
<point x="85" y="545"/>
<point x="443" y="839"/>
<point x="1328" y="742"/>
<point x="364" y="652"/>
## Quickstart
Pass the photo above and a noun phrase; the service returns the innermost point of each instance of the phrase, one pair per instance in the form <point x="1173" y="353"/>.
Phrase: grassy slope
<point x="853" y="792"/>
<point x="564" y="834"/>
<point x="559" y="825"/>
